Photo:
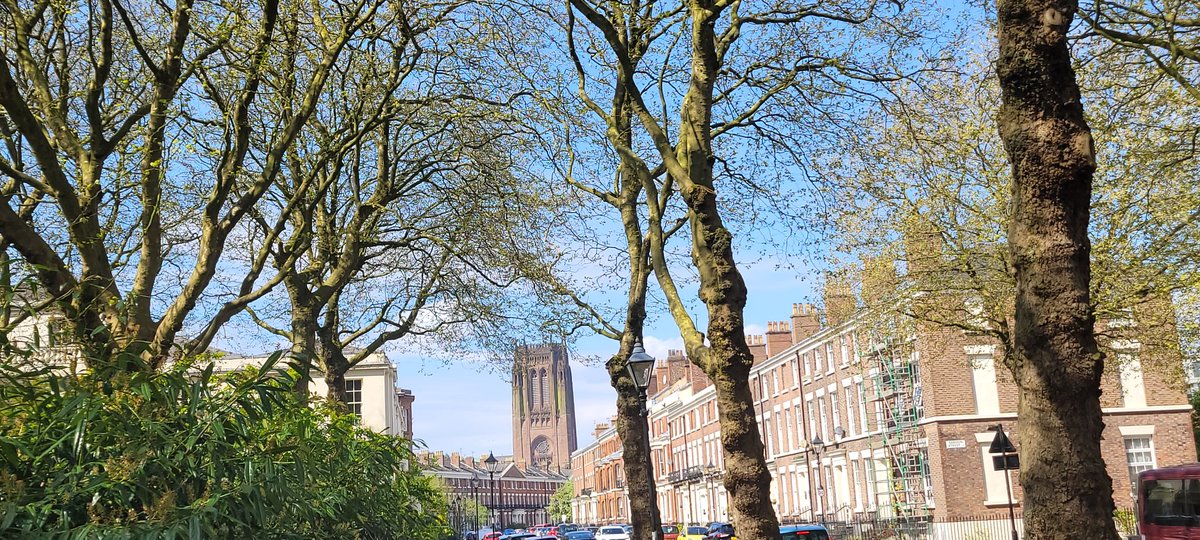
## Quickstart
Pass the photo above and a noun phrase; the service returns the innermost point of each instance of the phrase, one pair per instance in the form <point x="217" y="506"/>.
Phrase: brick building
<point x="517" y="497"/>
<point x="903" y="414"/>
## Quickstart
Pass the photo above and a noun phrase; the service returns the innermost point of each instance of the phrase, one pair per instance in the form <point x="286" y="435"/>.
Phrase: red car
<point x="670" y="532"/>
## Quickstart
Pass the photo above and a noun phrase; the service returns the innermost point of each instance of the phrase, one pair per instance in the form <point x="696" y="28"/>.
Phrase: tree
<point x="410" y="208"/>
<point x="922" y="193"/>
<point x="722" y="84"/>
<point x="925" y="182"/>
<point x="127" y="150"/>
<point x="560" y="501"/>
<point x="1056" y="362"/>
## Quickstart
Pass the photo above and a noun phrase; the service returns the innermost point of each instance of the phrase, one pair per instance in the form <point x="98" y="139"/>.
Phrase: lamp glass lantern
<point x="640" y="366"/>
<point x="817" y="444"/>
<point x="492" y="464"/>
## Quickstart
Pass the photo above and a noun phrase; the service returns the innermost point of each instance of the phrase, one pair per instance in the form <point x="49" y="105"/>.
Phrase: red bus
<point x="1168" y="503"/>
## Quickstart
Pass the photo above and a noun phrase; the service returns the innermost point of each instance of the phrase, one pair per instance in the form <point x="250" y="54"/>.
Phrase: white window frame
<point x="1141" y="465"/>
<point x="850" y="423"/>
<point x="835" y="412"/>
<point x="823" y="409"/>
<point x="352" y="389"/>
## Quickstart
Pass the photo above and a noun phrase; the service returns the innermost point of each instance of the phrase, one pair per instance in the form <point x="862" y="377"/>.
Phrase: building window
<point x="862" y="407"/>
<point x="1133" y="388"/>
<point x="352" y="390"/>
<point x="983" y="380"/>
<point x="850" y="428"/>
<point x="836" y="411"/>
<point x="1139" y="452"/>
<point x="824" y="418"/>
<point x="812" y="421"/>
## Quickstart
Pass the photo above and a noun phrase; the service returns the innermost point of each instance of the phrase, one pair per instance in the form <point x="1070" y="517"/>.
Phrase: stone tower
<point x="543" y="408"/>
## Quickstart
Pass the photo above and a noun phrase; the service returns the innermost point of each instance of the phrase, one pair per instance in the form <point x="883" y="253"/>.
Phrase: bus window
<point x="1171" y="503"/>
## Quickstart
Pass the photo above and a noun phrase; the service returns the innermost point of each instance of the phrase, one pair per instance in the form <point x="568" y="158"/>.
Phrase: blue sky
<point x="466" y="407"/>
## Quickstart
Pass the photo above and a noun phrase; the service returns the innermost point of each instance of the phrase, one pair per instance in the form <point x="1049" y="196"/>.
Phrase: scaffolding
<point x="891" y="365"/>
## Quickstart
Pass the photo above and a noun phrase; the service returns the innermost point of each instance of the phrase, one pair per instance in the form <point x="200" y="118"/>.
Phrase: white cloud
<point x="658" y="347"/>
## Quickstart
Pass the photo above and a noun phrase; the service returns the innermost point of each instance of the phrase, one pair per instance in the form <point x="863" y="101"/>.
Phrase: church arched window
<point x="545" y="390"/>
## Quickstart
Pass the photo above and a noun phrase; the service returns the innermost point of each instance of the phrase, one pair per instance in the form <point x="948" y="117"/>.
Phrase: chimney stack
<point x="758" y="347"/>
<point x="839" y="300"/>
<point x="600" y="428"/>
<point x="923" y="246"/>
<point x="805" y="322"/>
<point x="879" y="280"/>
<point x="779" y="337"/>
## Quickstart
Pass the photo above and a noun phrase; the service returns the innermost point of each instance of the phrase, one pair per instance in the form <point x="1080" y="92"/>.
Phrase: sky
<point x="465" y="407"/>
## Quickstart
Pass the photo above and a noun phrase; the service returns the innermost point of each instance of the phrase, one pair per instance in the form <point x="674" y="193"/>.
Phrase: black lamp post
<point x="475" y="497"/>
<point x="817" y="446"/>
<point x="641" y="367"/>
<point x="492" y="466"/>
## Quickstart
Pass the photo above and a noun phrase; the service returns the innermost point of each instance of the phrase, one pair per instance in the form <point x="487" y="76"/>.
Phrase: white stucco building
<point x="371" y="390"/>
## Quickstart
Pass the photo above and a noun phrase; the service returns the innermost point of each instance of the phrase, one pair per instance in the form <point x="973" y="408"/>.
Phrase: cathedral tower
<point x="543" y="408"/>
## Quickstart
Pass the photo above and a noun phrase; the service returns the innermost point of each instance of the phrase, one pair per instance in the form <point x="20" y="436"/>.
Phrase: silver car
<point x="612" y="532"/>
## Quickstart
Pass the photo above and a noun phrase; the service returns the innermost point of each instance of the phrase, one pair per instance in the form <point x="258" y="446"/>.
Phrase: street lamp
<point x="492" y="465"/>
<point x="817" y="446"/>
<point x="475" y="497"/>
<point x="641" y="367"/>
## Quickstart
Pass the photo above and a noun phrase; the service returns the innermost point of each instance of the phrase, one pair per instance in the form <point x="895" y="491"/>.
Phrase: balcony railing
<point x="685" y="475"/>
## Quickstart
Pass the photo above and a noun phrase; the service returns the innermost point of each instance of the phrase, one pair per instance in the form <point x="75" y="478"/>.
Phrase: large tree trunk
<point x="304" y="332"/>
<point x="635" y="444"/>
<point x="727" y="361"/>
<point x="631" y="426"/>
<point x="727" y="358"/>
<point x="1056" y="362"/>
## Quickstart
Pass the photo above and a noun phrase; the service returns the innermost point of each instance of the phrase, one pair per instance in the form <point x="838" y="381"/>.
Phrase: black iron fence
<point x="981" y="527"/>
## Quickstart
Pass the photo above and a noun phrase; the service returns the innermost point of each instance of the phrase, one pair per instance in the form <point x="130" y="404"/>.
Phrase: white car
<point x="611" y="532"/>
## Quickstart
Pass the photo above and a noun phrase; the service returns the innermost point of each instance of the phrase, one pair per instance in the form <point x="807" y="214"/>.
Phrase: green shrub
<point x="1126" y="520"/>
<point x="172" y="455"/>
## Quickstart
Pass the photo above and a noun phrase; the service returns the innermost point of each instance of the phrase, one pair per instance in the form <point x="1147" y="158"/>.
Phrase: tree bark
<point x="727" y="358"/>
<point x="644" y="514"/>
<point x="303" y="350"/>
<point x="631" y="426"/>
<point x="1056" y="362"/>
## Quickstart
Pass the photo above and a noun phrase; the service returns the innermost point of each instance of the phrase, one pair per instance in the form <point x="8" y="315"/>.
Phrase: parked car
<point x="803" y="532"/>
<point x="580" y="535"/>
<point x="670" y="532"/>
<point x="720" y="531"/>
<point x="492" y="536"/>
<point x="693" y="532"/>
<point x="612" y="532"/>
<point x="517" y="536"/>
